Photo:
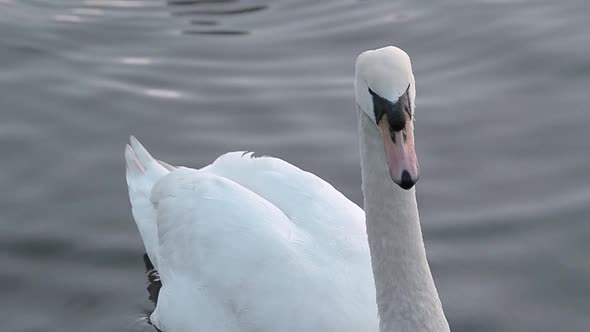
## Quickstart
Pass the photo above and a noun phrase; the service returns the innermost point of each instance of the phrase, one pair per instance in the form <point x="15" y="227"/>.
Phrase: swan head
<point x="385" y="92"/>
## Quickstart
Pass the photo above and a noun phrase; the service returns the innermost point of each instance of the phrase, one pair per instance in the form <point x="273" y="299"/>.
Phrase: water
<point x="502" y="134"/>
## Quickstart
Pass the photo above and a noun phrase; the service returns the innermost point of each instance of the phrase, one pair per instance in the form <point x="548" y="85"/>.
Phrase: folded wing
<point x="251" y="244"/>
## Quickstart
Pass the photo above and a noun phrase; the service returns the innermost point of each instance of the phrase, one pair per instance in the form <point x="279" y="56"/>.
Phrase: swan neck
<point x="407" y="299"/>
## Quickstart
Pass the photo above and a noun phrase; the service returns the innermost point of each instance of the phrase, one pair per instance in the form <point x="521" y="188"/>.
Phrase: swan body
<point x="236" y="252"/>
<point x="257" y="244"/>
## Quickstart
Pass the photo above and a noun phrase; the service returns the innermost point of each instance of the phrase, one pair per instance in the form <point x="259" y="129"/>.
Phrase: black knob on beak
<point x="406" y="182"/>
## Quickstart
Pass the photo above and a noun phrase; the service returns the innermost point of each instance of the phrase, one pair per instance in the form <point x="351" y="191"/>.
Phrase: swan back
<point x="254" y="244"/>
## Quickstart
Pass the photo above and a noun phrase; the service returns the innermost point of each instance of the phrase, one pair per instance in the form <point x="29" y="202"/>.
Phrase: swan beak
<point x="400" y="152"/>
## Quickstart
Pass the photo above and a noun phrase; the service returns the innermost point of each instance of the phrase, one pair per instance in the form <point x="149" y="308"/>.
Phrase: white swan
<point x="257" y="244"/>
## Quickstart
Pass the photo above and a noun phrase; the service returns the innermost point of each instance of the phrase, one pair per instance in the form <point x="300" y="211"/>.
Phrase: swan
<point x="256" y="244"/>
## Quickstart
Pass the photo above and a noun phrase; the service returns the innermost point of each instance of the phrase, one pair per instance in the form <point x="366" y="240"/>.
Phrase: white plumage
<point x="256" y="244"/>
<point x="251" y="244"/>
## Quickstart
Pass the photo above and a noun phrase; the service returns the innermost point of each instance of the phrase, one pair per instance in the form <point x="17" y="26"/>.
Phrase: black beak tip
<point x="407" y="182"/>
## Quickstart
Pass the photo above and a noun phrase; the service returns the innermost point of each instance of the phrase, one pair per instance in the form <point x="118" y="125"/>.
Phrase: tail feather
<point x="132" y="164"/>
<point x="166" y="166"/>
<point x="142" y="173"/>
<point x="150" y="166"/>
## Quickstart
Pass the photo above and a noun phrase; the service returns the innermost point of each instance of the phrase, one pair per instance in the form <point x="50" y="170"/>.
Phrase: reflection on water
<point x="121" y="3"/>
<point x="206" y="17"/>
<point x="501" y="132"/>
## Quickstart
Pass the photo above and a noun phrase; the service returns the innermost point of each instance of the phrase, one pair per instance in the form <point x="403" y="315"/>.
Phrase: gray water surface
<point x="502" y="135"/>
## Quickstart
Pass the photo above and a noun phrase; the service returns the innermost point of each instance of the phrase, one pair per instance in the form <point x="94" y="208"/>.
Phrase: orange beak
<point x="400" y="152"/>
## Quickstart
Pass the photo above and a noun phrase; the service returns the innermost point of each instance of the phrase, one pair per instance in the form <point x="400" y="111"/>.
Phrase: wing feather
<point x="249" y="244"/>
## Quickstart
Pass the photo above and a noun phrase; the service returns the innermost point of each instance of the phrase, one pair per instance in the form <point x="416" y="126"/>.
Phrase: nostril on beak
<point x="406" y="182"/>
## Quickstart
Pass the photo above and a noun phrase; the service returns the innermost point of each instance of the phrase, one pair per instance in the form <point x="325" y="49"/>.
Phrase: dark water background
<point x="503" y="134"/>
